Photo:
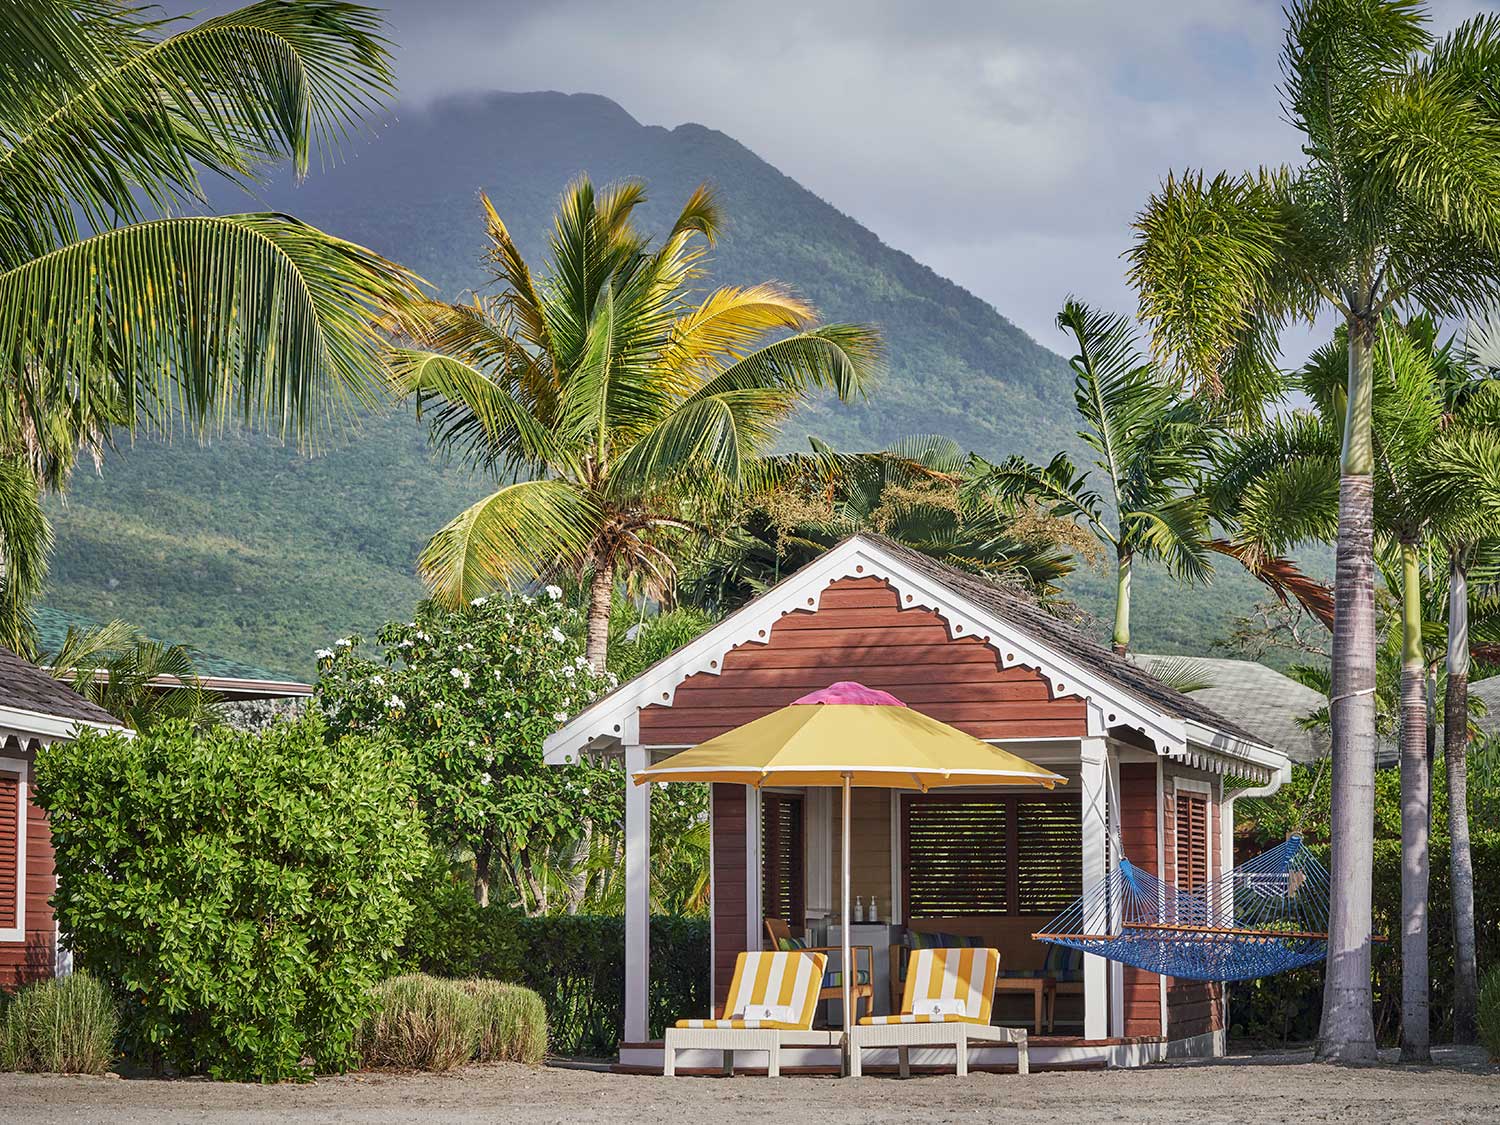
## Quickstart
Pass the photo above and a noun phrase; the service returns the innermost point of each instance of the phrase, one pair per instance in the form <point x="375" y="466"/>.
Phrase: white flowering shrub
<point x="472" y="693"/>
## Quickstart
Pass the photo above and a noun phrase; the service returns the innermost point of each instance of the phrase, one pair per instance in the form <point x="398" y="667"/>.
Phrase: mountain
<point x="256" y="552"/>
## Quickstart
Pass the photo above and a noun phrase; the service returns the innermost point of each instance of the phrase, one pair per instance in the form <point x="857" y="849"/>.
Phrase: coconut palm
<point x="1287" y="478"/>
<point x="618" y="405"/>
<point x="121" y="669"/>
<point x="1149" y="443"/>
<point x="1380" y="214"/>
<point x="921" y="491"/>
<point x="116" y="308"/>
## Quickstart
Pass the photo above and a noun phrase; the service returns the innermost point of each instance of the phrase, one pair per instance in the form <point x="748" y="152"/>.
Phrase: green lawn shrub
<point x="64" y="1026"/>
<point x="1489" y="1013"/>
<point x="420" y="1023"/>
<point x="240" y="893"/>
<point x="512" y="1022"/>
<point x="575" y="963"/>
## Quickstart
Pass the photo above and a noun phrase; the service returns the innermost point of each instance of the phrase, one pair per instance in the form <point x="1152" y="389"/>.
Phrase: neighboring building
<point x="1147" y="768"/>
<point x="35" y="710"/>
<point x="1258" y="698"/>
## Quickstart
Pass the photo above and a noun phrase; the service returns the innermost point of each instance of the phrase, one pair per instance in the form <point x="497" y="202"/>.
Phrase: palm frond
<point x="25" y="545"/>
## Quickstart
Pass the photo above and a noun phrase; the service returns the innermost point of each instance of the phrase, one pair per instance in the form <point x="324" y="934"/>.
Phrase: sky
<point x="1005" y="143"/>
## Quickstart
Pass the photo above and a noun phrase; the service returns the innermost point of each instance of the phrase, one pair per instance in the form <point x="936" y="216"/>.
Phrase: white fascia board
<point x="38" y="724"/>
<point x="606" y="721"/>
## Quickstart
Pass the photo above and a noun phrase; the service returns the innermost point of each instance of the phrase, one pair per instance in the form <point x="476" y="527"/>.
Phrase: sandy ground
<point x="1263" y="1089"/>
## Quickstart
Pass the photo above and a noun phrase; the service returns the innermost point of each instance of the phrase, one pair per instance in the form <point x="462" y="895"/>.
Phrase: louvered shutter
<point x="1191" y="823"/>
<point x="781" y="882"/>
<point x="10" y="859"/>
<point x="1049" y="853"/>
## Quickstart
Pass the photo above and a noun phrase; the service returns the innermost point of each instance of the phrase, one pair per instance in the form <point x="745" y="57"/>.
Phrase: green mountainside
<point x="250" y="550"/>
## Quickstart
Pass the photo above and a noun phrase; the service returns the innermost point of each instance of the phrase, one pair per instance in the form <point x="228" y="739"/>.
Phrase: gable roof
<point x="1026" y="614"/>
<point x="27" y="689"/>
<point x="1119" y="693"/>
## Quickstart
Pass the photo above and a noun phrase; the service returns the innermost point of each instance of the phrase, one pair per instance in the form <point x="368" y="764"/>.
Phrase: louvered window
<point x="984" y="854"/>
<point x="781" y="883"/>
<point x="10" y="850"/>
<point x="1192" y="840"/>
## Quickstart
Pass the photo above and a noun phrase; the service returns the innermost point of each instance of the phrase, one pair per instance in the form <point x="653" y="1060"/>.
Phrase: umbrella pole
<point x="846" y="969"/>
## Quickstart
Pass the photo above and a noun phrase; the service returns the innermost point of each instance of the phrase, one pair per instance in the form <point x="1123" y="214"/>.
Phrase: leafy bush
<point x="1489" y="1013"/>
<point x="420" y="1023"/>
<point x="512" y="1022"/>
<point x="575" y="963"/>
<point x="240" y="893"/>
<point x="64" y="1026"/>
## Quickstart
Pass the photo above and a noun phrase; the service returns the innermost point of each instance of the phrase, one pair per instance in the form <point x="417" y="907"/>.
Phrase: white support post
<point x="1116" y="851"/>
<point x="637" y="896"/>
<point x="1095" y="796"/>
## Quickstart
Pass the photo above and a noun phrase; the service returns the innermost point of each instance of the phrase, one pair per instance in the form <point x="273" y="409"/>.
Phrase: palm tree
<point x="1149" y="443"/>
<point x="1380" y="215"/>
<point x="120" y="668"/>
<point x="1287" y="479"/>
<point x="618" y="406"/>
<point x="118" y="309"/>
<point x="921" y="491"/>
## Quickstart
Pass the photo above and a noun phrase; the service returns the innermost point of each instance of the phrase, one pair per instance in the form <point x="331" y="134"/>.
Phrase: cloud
<point x="1006" y="144"/>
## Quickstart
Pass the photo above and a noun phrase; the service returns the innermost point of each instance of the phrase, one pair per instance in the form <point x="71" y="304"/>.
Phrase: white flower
<point x="581" y="662"/>
<point x="377" y="680"/>
<point x="394" y="702"/>
<point x="437" y="704"/>
<point x="554" y="592"/>
<point x="344" y="642"/>
<point x="486" y="779"/>
<point x="560" y="716"/>
<point x="507" y="714"/>
<point x="478" y="601"/>
<point x="558" y="635"/>
<point x="570" y="672"/>
<point x="405" y="644"/>
<point x="324" y="654"/>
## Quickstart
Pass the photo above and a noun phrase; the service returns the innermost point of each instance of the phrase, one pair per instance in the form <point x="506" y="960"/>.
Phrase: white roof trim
<point x="38" y="724"/>
<point x="613" y="718"/>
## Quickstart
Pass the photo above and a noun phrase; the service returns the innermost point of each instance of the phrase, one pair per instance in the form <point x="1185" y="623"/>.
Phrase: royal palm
<point x="1396" y="203"/>
<point x="620" y="405"/>
<point x="118" y="310"/>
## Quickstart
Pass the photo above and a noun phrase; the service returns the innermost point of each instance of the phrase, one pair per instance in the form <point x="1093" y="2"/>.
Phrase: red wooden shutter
<point x="781" y="877"/>
<point x="10" y="859"/>
<point x="1192" y="840"/>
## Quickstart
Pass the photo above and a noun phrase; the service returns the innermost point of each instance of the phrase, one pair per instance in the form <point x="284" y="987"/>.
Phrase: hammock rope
<point x="1266" y="916"/>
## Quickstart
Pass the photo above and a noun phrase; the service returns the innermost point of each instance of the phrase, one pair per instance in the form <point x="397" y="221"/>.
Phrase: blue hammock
<point x="1266" y="916"/>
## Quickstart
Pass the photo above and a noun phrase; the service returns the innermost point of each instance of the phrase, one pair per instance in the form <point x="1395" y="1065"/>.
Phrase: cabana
<point x="1153" y="775"/>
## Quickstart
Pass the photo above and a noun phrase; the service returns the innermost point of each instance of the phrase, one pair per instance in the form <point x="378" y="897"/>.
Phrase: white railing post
<point x="1095" y="796"/>
<point x="637" y="896"/>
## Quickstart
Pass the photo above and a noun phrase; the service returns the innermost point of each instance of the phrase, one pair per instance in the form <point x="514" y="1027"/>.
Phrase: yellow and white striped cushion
<point x="786" y="978"/>
<point x="948" y="974"/>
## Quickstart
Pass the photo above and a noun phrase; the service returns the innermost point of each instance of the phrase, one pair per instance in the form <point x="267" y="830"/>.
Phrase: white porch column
<point x="1112" y="860"/>
<point x="1095" y="795"/>
<point x="637" y="896"/>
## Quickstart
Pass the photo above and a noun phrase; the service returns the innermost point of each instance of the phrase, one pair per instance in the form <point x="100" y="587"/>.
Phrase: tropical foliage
<point x="1378" y="216"/>
<point x="119" y="310"/>
<point x="619" y="406"/>
<point x="924" y="492"/>
<point x="239" y="893"/>
<point x="121" y="669"/>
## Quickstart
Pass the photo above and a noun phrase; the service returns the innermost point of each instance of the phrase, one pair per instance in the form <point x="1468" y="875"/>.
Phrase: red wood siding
<point x="32" y="958"/>
<point x="1138" y="842"/>
<point x="860" y="632"/>
<point x="1193" y="1007"/>
<point x="729" y="886"/>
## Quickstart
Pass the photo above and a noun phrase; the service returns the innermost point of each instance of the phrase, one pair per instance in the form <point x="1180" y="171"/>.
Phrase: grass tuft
<point x="64" y="1026"/>
<point x="420" y="1023"/>
<point x="512" y="1022"/>
<point x="1489" y="1013"/>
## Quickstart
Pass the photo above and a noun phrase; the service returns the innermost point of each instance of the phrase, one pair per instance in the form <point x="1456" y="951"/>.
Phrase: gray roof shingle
<point x="26" y="687"/>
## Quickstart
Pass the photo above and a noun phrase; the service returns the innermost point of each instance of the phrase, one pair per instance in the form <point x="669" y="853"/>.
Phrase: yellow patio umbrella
<point x="842" y="736"/>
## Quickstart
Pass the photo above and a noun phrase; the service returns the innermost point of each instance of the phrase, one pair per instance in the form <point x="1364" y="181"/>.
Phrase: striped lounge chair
<point x="949" y="993"/>
<point x="786" y="984"/>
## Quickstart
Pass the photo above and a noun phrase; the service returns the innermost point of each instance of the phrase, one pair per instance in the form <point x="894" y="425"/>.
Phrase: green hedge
<point x="240" y="893"/>
<point x="1288" y="1007"/>
<point x="575" y="963"/>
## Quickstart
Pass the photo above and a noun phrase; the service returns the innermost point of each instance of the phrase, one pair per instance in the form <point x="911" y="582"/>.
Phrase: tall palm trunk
<point x="1455" y="757"/>
<point x="1415" y="797"/>
<point x="1121" y="639"/>
<point x="601" y="596"/>
<point x="1348" y="1029"/>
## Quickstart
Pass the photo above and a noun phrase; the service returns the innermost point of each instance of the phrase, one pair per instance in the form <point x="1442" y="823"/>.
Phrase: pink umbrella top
<point x="847" y="691"/>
